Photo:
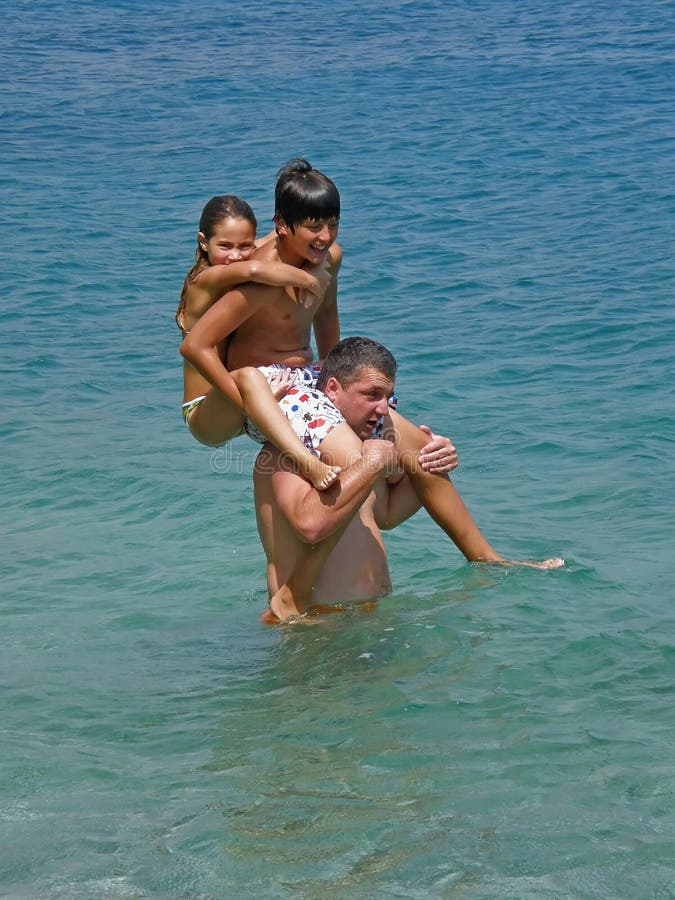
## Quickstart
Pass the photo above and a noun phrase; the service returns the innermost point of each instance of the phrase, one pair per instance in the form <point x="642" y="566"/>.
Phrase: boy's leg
<point x="437" y="493"/>
<point x="263" y="410"/>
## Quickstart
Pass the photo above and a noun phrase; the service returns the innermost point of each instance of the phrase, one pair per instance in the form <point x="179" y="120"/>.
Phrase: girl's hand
<point x="322" y="278"/>
<point x="439" y="455"/>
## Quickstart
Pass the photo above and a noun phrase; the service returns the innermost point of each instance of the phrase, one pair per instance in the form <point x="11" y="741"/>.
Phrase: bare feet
<point x="553" y="563"/>
<point x="321" y="475"/>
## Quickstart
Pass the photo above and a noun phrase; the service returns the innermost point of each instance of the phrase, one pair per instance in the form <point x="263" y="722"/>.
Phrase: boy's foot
<point x="554" y="563"/>
<point x="322" y="481"/>
<point x="321" y="475"/>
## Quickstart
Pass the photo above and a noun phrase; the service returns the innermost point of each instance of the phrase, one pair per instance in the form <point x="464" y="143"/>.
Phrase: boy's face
<point x="364" y="401"/>
<point x="310" y="240"/>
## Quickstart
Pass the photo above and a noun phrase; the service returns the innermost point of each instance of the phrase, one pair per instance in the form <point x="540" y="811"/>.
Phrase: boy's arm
<point x="224" y="317"/>
<point x="396" y="501"/>
<point x="327" y="321"/>
<point x="314" y="515"/>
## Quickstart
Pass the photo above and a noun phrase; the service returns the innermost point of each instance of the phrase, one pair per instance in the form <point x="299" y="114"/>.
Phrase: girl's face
<point x="233" y="240"/>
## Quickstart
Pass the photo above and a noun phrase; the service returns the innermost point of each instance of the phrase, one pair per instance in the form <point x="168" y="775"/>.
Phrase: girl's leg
<point x="438" y="494"/>
<point x="216" y="420"/>
<point x="262" y="409"/>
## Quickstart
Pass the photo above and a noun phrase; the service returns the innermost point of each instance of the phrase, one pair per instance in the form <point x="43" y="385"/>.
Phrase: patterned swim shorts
<point x="310" y="413"/>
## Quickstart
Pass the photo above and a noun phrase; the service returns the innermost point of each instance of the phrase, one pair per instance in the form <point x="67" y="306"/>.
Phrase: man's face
<point x="364" y="401"/>
<point x="311" y="239"/>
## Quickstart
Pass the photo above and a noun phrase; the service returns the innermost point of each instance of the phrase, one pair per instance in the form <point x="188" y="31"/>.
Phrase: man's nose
<point x="382" y="407"/>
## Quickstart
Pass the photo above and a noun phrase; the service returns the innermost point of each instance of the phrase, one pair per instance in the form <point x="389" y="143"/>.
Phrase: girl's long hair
<point x="218" y="208"/>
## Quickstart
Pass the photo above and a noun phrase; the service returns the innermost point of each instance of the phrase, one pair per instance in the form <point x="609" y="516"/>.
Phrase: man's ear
<point x="332" y="387"/>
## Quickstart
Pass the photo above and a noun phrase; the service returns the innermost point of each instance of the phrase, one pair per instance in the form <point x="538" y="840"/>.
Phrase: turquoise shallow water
<point x="507" y="178"/>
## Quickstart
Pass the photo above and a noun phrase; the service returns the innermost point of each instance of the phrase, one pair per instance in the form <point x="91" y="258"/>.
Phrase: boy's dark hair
<point x="348" y="357"/>
<point x="304" y="193"/>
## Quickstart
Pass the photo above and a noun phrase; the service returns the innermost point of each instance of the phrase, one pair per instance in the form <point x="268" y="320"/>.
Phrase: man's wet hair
<point x="350" y="356"/>
<point x="303" y="193"/>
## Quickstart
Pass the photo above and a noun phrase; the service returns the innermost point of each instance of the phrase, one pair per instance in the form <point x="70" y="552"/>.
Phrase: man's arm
<point x="314" y="515"/>
<point x="327" y="319"/>
<point x="224" y="317"/>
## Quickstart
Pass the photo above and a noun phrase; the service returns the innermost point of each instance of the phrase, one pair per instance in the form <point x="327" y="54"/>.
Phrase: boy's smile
<point x="310" y="240"/>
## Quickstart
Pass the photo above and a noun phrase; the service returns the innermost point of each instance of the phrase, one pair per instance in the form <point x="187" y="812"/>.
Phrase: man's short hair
<point x="303" y="193"/>
<point x="349" y="357"/>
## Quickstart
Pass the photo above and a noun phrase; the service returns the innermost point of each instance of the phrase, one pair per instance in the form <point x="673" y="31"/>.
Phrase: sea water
<point x="508" y="224"/>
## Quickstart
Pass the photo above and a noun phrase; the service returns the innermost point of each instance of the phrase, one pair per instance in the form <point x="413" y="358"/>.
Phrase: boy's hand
<point x="439" y="455"/>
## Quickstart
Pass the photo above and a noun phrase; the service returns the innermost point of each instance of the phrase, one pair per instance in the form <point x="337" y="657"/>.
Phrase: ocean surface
<point x="507" y="173"/>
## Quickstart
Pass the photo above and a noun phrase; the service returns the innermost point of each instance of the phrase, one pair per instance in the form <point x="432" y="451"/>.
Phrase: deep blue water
<point x="508" y="223"/>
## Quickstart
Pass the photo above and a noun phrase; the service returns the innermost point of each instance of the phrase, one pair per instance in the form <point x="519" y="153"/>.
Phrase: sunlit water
<point x="507" y="177"/>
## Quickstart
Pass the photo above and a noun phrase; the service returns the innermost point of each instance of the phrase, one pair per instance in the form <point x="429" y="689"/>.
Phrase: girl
<point x="225" y="245"/>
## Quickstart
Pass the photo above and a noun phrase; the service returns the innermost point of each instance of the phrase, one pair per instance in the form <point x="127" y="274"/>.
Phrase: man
<point x="334" y="537"/>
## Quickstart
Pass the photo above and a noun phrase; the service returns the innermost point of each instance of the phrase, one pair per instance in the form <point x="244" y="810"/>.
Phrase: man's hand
<point x="439" y="455"/>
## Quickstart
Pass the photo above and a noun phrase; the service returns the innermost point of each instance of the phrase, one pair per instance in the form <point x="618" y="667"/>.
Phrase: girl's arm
<point x="211" y="283"/>
<point x="224" y="317"/>
<point x="216" y="280"/>
<point x="327" y="319"/>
